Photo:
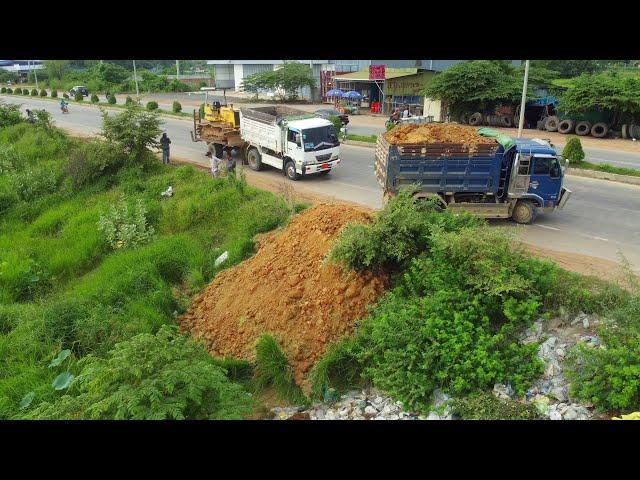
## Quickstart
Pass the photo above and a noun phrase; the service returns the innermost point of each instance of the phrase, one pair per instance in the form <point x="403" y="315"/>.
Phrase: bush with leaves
<point x="337" y="123"/>
<point x="25" y="91"/>
<point x="3" y="90"/>
<point x="609" y="376"/>
<point x="94" y="98"/>
<point x="573" y="150"/>
<point x="10" y="114"/>
<point x="9" y="90"/>
<point x="42" y="119"/>
<point x="152" y="105"/>
<point x="34" y="92"/>
<point x="91" y="160"/>
<point x="111" y="99"/>
<point x="54" y="93"/>
<point x="125" y="226"/>
<point x="486" y="406"/>
<point x="134" y="131"/>
<point x="288" y="79"/>
<point x="176" y="107"/>
<point x="33" y="183"/>
<point x="400" y="232"/>
<point x="129" y="101"/>
<point x="78" y="97"/>
<point x="273" y="368"/>
<point x="43" y="93"/>
<point x="150" y="377"/>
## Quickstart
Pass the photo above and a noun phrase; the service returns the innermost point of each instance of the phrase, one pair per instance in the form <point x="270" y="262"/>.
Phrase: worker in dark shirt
<point x="164" y="142"/>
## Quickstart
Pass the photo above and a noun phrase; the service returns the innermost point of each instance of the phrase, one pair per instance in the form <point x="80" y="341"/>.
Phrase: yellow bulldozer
<point x="220" y="126"/>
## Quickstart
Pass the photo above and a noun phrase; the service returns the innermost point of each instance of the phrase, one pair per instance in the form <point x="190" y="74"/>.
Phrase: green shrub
<point x="124" y="226"/>
<point x="90" y="161"/>
<point x="609" y="376"/>
<point x="149" y="377"/>
<point x="64" y="95"/>
<point x="573" y="150"/>
<point x="42" y="119"/>
<point x="43" y="93"/>
<point x="111" y="99"/>
<point x="94" y="98"/>
<point x="78" y="97"/>
<point x="133" y="131"/>
<point x="400" y="232"/>
<point x="25" y="91"/>
<point x="273" y="368"/>
<point x="9" y="90"/>
<point x="152" y="105"/>
<point x="485" y="406"/>
<point x="201" y="111"/>
<point x="177" y="108"/>
<point x="54" y="93"/>
<point x="128" y="100"/>
<point x="33" y="183"/>
<point x="34" y="92"/>
<point x="3" y="90"/>
<point x="9" y="114"/>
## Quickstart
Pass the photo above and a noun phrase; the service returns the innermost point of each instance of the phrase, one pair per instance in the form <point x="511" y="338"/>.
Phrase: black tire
<point x="625" y="131"/>
<point x="540" y="125"/>
<point x="290" y="171"/>
<point x="506" y="121"/>
<point x="464" y="119"/>
<point x="599" y="130"/>
<point x="566" y="126"/>
<point x="475" y="119"/>
<point x="524" y="212"/>
<point x="551" y="124"/>
<point x="583" y="128"/>
<point x="254" y="159"/>
<point x="634" y="131"/>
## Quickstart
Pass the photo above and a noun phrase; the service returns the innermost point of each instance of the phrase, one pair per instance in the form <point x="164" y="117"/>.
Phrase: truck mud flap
<point x="564" y="196"/>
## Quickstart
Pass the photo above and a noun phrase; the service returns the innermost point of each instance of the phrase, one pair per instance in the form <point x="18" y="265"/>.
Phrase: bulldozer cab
<point x="224" y="114"/>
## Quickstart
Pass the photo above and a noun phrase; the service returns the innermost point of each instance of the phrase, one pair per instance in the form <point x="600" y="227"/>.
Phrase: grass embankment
<point x="362" y="138"/>
<point x="64" y="286"/>
<point x="604" y="167"/>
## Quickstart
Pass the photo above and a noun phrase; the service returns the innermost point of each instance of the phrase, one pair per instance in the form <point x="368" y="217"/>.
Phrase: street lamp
<point x="524" y="98"/>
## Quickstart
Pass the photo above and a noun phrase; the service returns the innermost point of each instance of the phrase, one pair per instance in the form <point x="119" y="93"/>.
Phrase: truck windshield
<point x="319" y="138"/>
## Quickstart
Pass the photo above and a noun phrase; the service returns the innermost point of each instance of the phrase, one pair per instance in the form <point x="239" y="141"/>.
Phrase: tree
<point x="9" y="114"/>
<point x="288" y="79"/>
<point x="603" y="91"/>
<point x="134" y="131"/>
<point x="56" y="68"/>
<point x="570" y="68"/>
<point x="478" y="84"/>
<point x="109" y="73"/>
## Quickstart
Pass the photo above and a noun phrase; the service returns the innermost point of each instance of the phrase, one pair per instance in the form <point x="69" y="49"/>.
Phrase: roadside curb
<point x="358" y="143"/>
<point x="612" y="177"/>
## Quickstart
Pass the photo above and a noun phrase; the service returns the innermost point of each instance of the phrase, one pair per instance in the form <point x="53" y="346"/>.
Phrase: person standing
<point x="214" y="161"/>
<point x="164" y="143"/>
<point x="232" y="155"/>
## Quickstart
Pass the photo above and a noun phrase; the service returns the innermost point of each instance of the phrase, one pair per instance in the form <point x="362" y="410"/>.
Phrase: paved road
<point x="601" y="218"/>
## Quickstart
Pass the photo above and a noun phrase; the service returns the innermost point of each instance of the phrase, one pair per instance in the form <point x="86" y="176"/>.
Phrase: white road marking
<point x="548" y="227"/>
<point x="600" y="238"/>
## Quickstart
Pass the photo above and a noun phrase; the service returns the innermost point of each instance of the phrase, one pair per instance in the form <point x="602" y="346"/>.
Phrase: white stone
<point x="369" y="410"/>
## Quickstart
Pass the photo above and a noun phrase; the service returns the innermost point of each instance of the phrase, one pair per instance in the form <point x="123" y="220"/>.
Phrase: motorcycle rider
<point x="63" y="106"/>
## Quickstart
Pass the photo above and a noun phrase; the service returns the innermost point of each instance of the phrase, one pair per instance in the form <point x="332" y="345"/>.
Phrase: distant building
<point x="21" y="67"/>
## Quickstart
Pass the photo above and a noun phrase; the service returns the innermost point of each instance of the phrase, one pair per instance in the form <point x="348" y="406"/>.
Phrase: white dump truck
<point x="291" y="140"/>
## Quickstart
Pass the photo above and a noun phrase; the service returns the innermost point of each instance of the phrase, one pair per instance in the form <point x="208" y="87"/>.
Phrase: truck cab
<point x="313" y="145"/>
<point x="535" y="179"/>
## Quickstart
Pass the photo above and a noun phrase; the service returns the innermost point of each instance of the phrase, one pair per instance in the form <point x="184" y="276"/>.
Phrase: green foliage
<point x="125" y="226"/>
<point x="133" y="131"/>
<point x="288" y="79"/>
<point x="64" y="95"/>
<point x="78" y="97"/>
<point x="150" y="377"/>
<point x="129" y="101"/>
<point x="34" y="92"/>
<point x="10" y="114"/>
<point x="42" y="119"/>
<point x="573" y="150"/>
<point x="111" y="99"/>
<point x="25" y="91"/>
<point x="480" y="84"/>
<point x="152" y="105"/>
<point x="91" y="160"/>
<point x="607" y="91"/>
<point x="8" y="90"/>
<point x="3" y="90"/>
<point x="94" y="98"/>
<point x="176" y="107"/>
<point x="609" y="376"/>
<point x="400" y="232"/>
<point x="43" y="93"/>
<point x="337" y="123"/>
<point x="569" y="68"/>
<point x="54" y="93"/>
<point x="485" y="406"/>
<point x="272" y="368"/>
<point x="56" y="68"/>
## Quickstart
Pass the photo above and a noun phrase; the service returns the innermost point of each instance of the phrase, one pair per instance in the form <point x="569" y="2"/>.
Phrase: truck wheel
<point x="254" y="160"/>
<point x="566" y="126"/>
<point x="506" y="121"/>
<point x="551" y="124"/>
<point x="290" y="171"/>
<point x="625" y="131"/>
<point x="600" y="130"/>
<point x="583" y="128"/>
<point x="524" y="212"/>
<point x="475" y="119"/>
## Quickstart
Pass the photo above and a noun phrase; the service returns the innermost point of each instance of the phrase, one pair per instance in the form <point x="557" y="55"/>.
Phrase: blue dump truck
<point x="510" y="178"/>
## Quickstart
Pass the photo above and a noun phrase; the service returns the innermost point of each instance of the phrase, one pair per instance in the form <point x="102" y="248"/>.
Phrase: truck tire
<point x="625" y="131"/>
<point x="254" y="160"/>
<point x="524" y="212"/>
<point x="506" y="121"/>
<point x="475" y="119"/>
<point x="551" y="124"/>
<point x="600" y="130"/>
<point x="634" y="131"/>
<point x="583" y="128"/>
<point x="516" y="121"/>
<point x="464" y="119"/>
<point x="566" y="126"/>
<point x="290" y="171"/>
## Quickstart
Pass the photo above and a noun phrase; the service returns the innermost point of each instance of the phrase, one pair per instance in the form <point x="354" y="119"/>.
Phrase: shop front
<point x="407" y="90"/>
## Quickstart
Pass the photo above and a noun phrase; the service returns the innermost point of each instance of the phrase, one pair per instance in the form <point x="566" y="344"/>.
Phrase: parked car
<point x="328" y="112"/>
<point x="83" y="90"/>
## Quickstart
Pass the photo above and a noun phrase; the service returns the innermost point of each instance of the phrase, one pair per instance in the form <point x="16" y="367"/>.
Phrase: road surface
<point x="601" y="218"/>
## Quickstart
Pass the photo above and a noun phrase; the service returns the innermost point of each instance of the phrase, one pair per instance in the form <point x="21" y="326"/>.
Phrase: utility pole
<point x="178" y="70"/>
<point x="35" y="73"/>
<point x="135" y="77"/>
<point x="524" y="98"/>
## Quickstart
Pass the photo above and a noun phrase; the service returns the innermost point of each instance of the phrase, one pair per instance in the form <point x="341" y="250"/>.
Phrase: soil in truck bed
<point x="436" y="133"/>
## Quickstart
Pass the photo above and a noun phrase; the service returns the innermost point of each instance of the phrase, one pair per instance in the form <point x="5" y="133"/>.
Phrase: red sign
<point x="376" y="72"/>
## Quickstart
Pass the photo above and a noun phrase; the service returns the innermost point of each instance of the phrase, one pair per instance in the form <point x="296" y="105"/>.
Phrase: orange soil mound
<point x="286" y="290"/>
<point x="435" y="133"/>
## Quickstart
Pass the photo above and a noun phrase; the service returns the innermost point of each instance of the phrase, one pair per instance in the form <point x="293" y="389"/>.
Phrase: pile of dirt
<point x="435" y="133"/>
<point x="286" y="289"/>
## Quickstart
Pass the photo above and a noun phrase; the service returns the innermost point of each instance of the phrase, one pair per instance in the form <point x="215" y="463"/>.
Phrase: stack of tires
<point x="631" y="130"/>
<point x="476" y="119"/>
<point x="580" y="128"/>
